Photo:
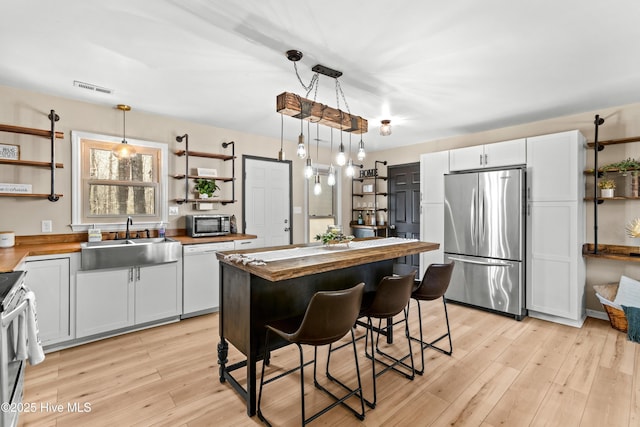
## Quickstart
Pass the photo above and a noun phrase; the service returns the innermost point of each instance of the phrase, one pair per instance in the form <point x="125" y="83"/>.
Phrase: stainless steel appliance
<point x="12" y="304"/>
<point x="484" y="234"/>
<point x="201" y="277"/>
<point x="207" y="225"/>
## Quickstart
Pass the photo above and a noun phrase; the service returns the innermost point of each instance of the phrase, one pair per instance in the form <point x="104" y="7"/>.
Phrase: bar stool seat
<point x="329" y="316"/>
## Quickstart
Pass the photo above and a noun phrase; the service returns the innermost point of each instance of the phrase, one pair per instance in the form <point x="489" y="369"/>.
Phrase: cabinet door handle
<point x="131" y="274"/>
<point x="485" y="159"/>
<point x="138" y="275"/>
<point x="480" y="158"/>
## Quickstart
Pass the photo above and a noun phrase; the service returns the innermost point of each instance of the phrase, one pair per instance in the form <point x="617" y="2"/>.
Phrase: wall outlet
<point x="47" y="226"/>
<point x="173" y="210"/>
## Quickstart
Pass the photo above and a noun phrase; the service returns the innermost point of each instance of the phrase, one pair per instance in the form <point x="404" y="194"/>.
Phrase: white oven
<point x="13" y="307"/>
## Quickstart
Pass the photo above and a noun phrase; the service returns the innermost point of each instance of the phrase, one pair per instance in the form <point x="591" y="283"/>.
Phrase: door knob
<point x="392" y="227"/>
<point x="287" y="229"/>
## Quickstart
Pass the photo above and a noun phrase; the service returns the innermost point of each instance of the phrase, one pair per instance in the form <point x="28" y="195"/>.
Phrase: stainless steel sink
<point x="128" y="253"/>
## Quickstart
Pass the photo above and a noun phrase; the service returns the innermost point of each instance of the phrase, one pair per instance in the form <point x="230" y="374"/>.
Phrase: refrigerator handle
<point x="474" y="208"/>
<point x="481" y="222"/>
<point x="488" y="264"/>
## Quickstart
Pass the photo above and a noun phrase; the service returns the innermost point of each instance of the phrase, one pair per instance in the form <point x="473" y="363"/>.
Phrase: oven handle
<point x="6" y="319"/>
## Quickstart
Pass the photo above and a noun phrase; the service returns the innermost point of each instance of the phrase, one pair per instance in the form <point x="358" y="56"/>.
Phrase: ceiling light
<point x="350" y="170"/>
<point x="385" y="127"/>
<point x="124" y="150"/>
<point x="331" y="178"/>
<point x="281" y="152"/>
<point x="308" y="170"/>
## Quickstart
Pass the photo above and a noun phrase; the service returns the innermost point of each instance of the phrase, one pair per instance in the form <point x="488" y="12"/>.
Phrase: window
<point x="106" y="189"/>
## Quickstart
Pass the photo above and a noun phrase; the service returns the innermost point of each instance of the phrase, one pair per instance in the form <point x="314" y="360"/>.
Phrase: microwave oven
<point x="208" y="225"/>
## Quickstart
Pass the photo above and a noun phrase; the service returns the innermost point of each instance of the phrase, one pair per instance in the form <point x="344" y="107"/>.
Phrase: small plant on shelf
<point x="624" y="166"/>
<point x="206" y="186"/>
<point x="606" y="184"/>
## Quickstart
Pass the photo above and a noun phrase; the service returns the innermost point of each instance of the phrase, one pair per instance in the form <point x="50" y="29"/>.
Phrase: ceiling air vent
<point x="92" y="87"/>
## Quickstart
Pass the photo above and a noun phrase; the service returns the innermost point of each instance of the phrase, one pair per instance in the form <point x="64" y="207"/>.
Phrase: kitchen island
<point x="261" y="285"/>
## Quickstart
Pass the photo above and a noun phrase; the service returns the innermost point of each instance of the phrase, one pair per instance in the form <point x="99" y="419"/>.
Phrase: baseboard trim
<point x="597" y="314"/>
<point x="557" y="319"/>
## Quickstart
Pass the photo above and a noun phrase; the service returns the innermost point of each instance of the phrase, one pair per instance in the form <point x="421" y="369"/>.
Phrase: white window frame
<point x="78" y="204"/>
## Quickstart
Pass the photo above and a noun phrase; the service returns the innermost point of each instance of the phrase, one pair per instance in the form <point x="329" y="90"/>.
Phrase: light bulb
<point x="317" y="188"/>
<point x="308" y="170"/>
<point x="341" y="159"/>
<point x="301" y="152"/>
<point x="331" y="178"/>
<point x="361" y="154"/>
<point x="350" y="170"/>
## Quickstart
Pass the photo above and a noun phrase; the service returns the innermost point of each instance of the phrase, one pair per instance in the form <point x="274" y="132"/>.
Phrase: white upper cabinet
<point x="499" y="154"/>
<point x="433" y="167"/>
<point x="552" y="161"/>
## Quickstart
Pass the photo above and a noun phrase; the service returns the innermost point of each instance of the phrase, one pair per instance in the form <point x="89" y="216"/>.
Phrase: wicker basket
<point x="607" y="293"/>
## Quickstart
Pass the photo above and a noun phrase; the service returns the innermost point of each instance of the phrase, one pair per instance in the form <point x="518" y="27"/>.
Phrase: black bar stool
<point x="390" y="298"/>
<point x="329" y="316"/>
<point x="433" y="286"/>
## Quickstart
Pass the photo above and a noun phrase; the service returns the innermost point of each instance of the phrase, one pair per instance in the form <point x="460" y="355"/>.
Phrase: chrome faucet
<point x="129" y="221"/>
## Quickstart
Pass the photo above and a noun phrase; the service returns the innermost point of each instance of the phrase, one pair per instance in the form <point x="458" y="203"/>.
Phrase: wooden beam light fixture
<point x="306" y="109"/>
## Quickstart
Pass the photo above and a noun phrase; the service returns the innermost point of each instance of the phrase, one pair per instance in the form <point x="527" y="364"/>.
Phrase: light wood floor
<point x="502" y="373"/>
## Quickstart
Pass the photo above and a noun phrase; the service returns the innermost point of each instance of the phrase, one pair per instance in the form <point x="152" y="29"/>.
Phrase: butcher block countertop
<point x="330" y="260"/>
<point x="54" y="244"/>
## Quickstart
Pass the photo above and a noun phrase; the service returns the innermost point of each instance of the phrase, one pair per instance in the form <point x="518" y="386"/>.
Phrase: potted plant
<point x="206" y="187"/>
<point x="606" y="186"/>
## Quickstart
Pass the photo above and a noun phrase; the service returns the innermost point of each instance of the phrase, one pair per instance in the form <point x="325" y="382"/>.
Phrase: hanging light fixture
<point x="124" y="150"/>
<point x="317" y="187"/>
<point x="331" y="177"/>
<point x="301" y="151"/>
<point x="281" y="152"/>
<point x="361" y="154"/>
<point x="308" y="170"/>
<point x="341" y="158"/>
<point x="385" y="127"/>
<point x="350" y="170"/>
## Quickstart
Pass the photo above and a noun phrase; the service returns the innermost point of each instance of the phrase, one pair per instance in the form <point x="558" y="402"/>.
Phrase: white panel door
<point x="506" y="153"/>
<point x="432" y="230"/>
<point x="553" y="270"/>
<point x="267" y="189"/>
<point x="49" y="280"/>
<point x="157" y="294"/>
<point x="104" y="301"/>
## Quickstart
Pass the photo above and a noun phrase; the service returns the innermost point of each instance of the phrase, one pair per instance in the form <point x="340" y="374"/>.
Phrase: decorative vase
<point x="606" y="192"/>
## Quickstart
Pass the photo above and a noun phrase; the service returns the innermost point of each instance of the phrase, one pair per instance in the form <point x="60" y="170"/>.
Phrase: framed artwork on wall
<point x="9" y="152"/>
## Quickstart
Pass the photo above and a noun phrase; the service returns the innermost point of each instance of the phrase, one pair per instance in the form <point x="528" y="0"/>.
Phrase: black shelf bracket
<point x="598" y="121"/>
<point x="53" y="117"/>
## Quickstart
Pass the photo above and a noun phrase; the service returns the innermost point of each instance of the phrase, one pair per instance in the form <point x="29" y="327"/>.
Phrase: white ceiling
<point x="435" y="68"/>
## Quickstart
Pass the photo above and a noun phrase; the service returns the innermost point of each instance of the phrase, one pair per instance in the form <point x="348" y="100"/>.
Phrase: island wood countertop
<point x="332" y="260"/>
<point x="26" y="246"/>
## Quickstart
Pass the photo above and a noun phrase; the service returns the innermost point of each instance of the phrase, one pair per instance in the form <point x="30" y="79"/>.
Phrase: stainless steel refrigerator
<point x="484" y="234"/>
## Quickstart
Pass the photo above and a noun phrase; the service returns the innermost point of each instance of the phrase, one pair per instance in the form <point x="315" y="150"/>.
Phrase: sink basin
<point x="128" y="253"/>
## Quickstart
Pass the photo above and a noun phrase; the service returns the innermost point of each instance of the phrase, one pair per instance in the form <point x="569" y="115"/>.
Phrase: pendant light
<point x="124" y="150"/>
<point x="331" y="177"/>
<point x="385" y="127"/>
<point x="301" y="151"/>
<point x="281" y="152"/>
<point x="350" y="171"/>
<point x="317" y="187"/>
<point x="308" y="170"/>
<point x="361" y="154"/>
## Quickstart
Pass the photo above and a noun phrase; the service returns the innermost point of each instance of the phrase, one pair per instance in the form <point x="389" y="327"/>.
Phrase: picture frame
<point x="213" y="173"/>
<point x="9" y="152"/>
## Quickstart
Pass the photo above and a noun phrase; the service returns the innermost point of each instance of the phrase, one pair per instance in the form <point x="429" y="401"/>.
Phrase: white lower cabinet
<point x="108" y="300"/>
<point x="249" y="243"/>
<point x="50" y="280"/>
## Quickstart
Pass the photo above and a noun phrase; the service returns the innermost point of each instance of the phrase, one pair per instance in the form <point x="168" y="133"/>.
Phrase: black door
<point x="404" y="210"/>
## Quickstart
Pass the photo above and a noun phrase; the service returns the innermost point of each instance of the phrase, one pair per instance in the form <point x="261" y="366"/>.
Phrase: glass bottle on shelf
<point x="360" y="219"/>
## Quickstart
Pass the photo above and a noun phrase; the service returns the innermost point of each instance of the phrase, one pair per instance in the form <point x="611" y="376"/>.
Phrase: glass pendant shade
<point x="331" y="178"/>
<point x="317" y="187"/>
<point x="301" y="151"/>
<point x="124" y="150"/>
<point x="361" y="154"/>
<point x="308" y="170"/>
<point x="341" y="159"/>
<point x="385" y="127"/>
<point x="350" y="171"/>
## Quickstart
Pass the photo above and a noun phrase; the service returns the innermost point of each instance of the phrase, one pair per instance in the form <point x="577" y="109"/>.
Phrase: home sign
<point x="368" y="173"/>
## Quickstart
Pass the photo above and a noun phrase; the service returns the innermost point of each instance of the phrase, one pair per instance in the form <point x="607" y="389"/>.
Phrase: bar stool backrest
<point x="392" y="296"/>
<point x="329" y="316"/>
<point x="435" y="282"/>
